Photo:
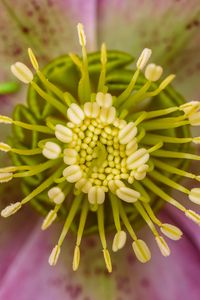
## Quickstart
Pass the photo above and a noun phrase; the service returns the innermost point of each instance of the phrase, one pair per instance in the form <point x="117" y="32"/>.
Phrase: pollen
<point x="101" y="147"/>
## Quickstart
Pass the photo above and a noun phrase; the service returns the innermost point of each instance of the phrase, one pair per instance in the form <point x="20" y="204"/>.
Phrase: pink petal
<point x="170" y="28"/>
<point x="30" y="277"/>
<point x="49" y="27"/>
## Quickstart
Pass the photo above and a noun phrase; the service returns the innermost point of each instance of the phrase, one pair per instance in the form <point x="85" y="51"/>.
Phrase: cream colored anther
<point x="54" y="255"/>
<point x="83" y="185"/>
<point x="6" y="176"/>
<point x="11" y="209"/>
<point x="72" y="173"/>
<point x="162" y="245"/>
<point x="5" y="147"/>
<point x="70" y="156"/>
<point x="63" y="133"/>
<point x="127" y="133"/>
<point x="194" y="195"/>
<point x="107" y="115"/>
<point x="119" y="240"/>
<point x="137" y="159"/>
<point x="22" y="72"/>
<point x="141" y="251"/>
<point x="115" y="185"/>
<point x="96" y="195"/>
<point x="51" y="150"/>
<point x="153" y="72"/>
<point x="91" y="109"/>
<point x="50" y="218"/>
<point x="128" y="195"/>
<point x="171" y="231"/>
<point x="75" y="114"/>
<point x="104" y="100"/>
<point x="56" y="195"/>
<point x="141" y="172"/>
<point x="194" y="118"/>
<point x="144" y="58"/>
<point x="131" y="147"/>
<point x="190" y="107"/>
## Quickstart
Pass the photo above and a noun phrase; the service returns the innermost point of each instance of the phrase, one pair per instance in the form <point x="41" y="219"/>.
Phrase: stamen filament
<point x="102" y="78"/>
<point x="37" y="169"/>
<point x="73" y="210"/>
<point x="155" y="148"/>
<point x="50" y="99"/>
<point x="163" y="124"/>
<point x="173" y="154"/>
<point x="26" y="151"/>
<point x="126" y="222"/>
<point x="127" y="92"/>
<point x="155" y="189"/>
<point x="146" y="218"/>
<point x="115" y="210"/>
<point x="150" y="139"/>
<point x="163" y="166"/>
<point x="135" y="98"/>
<point x="42" y="186"/>
<point x="164" y="179"/>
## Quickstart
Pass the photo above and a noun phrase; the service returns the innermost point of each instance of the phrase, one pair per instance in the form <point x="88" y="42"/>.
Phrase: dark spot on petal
<point x="131" y="259"/>
<point x="73" y="290"/>
<point x="145" y="282"/>
<point x="25" y="29"/>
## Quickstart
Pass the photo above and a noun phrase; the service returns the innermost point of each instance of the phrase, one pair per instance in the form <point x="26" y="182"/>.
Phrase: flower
<point x="56" y="152"/>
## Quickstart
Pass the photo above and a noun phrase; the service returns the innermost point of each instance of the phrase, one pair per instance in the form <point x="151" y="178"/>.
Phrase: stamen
<point x="84" y="89"/>
<point x="140" y="248"/>
<point x="100" y="218"/>
<point x="56" y="250"/>
<point x="141" y="63"/>
<point x="83" y="217"/>
<point x="173" y="154"/>
<point x="6" y="148"/>
<point x="163" y="166"/>
<point x="102" y="77"/>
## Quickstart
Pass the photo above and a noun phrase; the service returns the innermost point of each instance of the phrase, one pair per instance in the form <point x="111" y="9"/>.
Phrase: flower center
<point x="99" y="150"/>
